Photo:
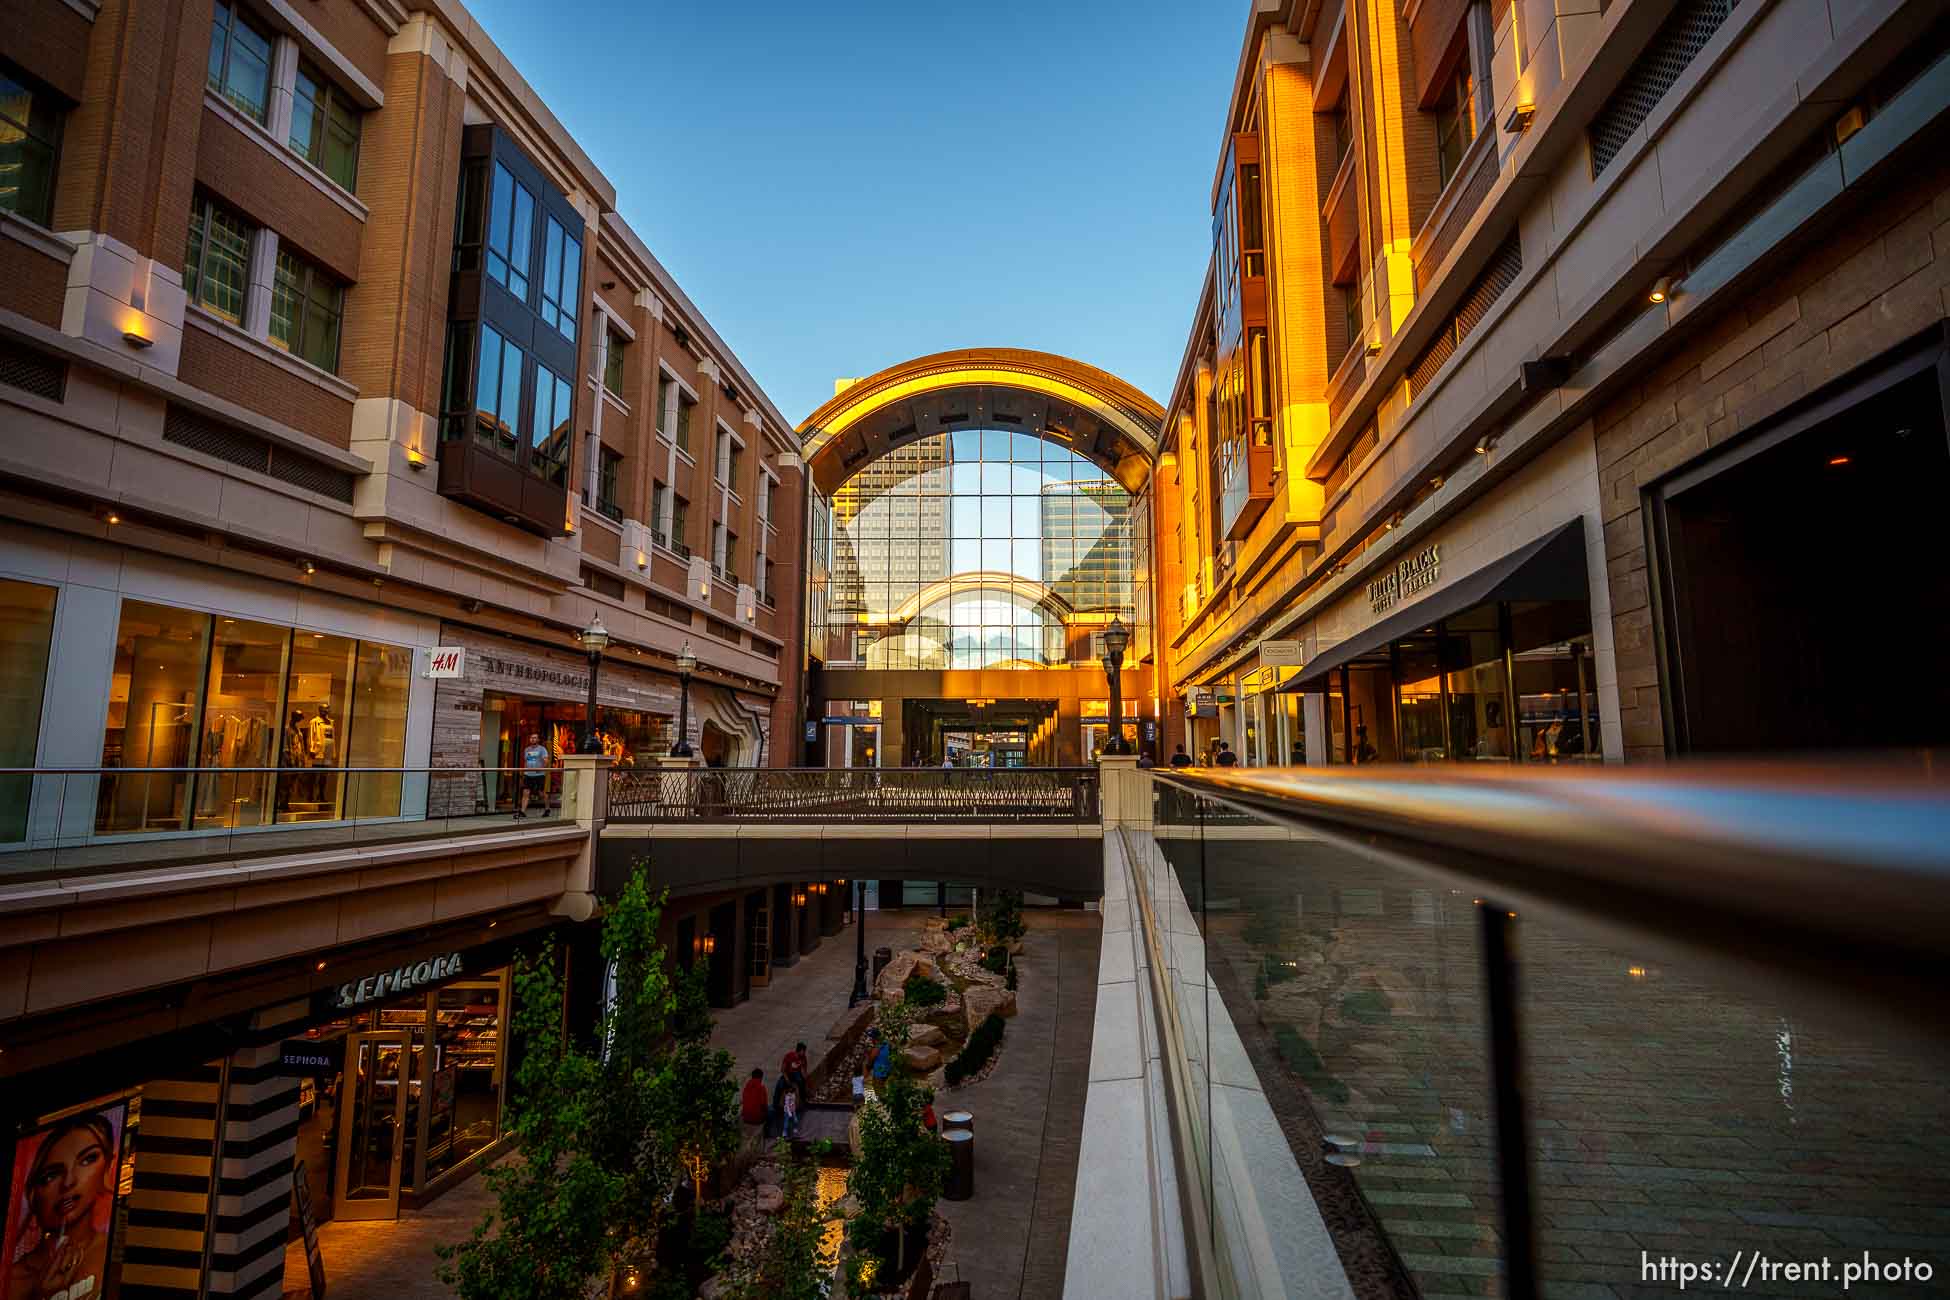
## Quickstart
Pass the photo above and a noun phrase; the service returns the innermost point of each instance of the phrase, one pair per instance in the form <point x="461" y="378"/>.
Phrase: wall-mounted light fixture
<point x="1661" y="289"/>
<point x="415" y="459"/>
<point x="112" y="518"/>
<point x="136" y="339"/>
<point x="799" y="899"/>
<point x="1520" y="117"/>
<point x="709" y="944"/>
<point x="642" y="560"/>
<point x="307" y="568"/>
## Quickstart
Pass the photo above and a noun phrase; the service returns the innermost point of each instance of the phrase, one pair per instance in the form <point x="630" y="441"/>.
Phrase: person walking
<point x="754" y="1107"/>
<point x="1179" y="758"/>
<point x="1226" y="757"/>
<point x="534" y="775"/>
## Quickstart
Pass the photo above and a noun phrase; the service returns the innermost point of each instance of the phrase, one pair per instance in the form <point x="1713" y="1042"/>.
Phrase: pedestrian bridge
<point x="709" y="829"/>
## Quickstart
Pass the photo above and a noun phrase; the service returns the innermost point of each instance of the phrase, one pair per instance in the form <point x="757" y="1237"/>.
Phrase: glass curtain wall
<point x="217" y="699"/>
<point x="976" y="549"/>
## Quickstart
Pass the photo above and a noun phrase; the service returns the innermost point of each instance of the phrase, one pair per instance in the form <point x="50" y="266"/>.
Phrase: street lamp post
<point x="595" y="639"/>
<point x="859" y="994"/>
<point x="686" y="665"/>
<point x="1117" y="638"/>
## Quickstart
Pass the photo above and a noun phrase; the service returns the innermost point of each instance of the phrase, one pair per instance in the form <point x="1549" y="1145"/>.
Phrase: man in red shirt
<point x="754" y="1104"/>
<point x="794" y="1065"/>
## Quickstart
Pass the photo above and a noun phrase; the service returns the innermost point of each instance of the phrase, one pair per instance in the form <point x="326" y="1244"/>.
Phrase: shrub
<point x="1275" y="971"/>
<point x="1303" y="1060"/>
<point x="1367" y="1006"/>
<point x="996" y="959"/>
<point x="1259" y="985"/>
<point x="924" y="991"/>
<point x="1267" y="928"/>
<point x="956" y="923"/>
<point x="976" y="1052"/>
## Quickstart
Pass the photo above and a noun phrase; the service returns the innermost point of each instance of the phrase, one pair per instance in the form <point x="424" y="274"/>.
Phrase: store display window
<point x="200" y="704"/>
<point x="1503" y="682"/>
<point x="26" y="630"/>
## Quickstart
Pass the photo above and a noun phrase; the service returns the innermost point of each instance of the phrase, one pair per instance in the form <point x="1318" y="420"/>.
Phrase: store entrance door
<point x="372" y="1124"/>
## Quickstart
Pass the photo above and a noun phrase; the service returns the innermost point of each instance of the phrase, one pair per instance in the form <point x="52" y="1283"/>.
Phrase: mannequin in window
<point x="321" y="744"/>
<point x="293" y="754"/>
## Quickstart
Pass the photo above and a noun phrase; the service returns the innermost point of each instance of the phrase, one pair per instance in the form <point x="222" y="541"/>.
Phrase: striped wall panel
<point x="260" y="1146"/>
<point x="163" y="1255"/>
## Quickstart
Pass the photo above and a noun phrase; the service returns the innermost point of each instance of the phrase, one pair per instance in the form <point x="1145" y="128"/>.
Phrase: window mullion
<point x="261" y="271"/>
<point x="283" y="89"/>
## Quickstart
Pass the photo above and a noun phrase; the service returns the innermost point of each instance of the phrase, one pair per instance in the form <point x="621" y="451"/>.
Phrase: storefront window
<point x="240" y="722"/>
<point x="1494" y="683"/>
<point x="1472" y="651"/>
<point x="26" y="628"/>
<point x="315" y="710"/>
<point x="464" y="1113"/>
<point x="198" y="704"/>
<point x="155" y="703"/>
<point x="1422" y="738"/>
<point x="382" y="679"/>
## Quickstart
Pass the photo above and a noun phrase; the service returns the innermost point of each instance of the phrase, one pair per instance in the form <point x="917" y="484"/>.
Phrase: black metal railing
<point x="820" y="794"/>
<point x="1555" y="1033"/>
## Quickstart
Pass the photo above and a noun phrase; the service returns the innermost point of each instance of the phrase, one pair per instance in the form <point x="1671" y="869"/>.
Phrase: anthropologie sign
<point x="1414" y="573"/>
<point x="401" y="979"/>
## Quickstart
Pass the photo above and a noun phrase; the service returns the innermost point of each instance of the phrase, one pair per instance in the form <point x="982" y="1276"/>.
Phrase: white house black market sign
<point x="1414" y="573"/>
<point x="400" y="979"/>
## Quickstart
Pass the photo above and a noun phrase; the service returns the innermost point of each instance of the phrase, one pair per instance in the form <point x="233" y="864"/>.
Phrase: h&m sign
<point x="1414" y="573"/>
<point x="447" y="661"/>
<point x="401" y="979"/>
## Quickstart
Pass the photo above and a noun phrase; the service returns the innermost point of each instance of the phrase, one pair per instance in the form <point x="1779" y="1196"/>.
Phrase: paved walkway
<point x="393" y="1259"/>
<point x="1013" y="1237"/>
<point x="802" y="1001"/>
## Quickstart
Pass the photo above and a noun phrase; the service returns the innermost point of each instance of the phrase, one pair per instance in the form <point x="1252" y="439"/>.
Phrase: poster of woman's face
<point x="61" y="1207"/>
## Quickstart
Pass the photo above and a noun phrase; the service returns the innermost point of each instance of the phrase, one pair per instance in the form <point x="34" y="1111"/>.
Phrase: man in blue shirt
<point x="534" y="775"/>
<point x="883" y="1057"/>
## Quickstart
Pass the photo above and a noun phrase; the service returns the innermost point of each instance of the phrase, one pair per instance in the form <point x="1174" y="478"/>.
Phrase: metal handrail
<point x="1839" y="871"/>
<point x="822" y="794"/>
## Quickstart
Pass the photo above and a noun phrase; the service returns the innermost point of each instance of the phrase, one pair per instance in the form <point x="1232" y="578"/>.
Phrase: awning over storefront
<point x="1551" y="568"/>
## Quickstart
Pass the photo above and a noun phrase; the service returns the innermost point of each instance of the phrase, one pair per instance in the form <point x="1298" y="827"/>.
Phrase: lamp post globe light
<point x="594" y="639"/>
<point x="686" y="665"/>
<point x="1117" y="638"/>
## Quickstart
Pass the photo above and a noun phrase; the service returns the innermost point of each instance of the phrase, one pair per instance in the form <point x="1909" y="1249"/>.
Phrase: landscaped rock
<point x="926" y="1035"/>
<point x="711" y="1290"/>
<point x="982" y="1002"/>
<point x="766" y="1175"/>
<point x="771" y="1199"/>
<point x="896" y="975"/>
<point x="920" y="1059"/>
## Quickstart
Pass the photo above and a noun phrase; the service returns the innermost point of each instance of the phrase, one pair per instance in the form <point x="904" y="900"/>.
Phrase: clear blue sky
<point x="843" y="184"/>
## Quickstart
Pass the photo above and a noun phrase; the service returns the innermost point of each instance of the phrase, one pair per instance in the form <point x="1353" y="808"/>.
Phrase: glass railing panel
<point x="1350" y="1094"/>
<point x="1681" y="1118"/>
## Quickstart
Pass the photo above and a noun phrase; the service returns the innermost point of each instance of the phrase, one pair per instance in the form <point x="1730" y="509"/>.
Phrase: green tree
<point x="897" y="1177"/>
<point x="605" y="1135"/>
<point x="1002" y="915"/>
<point x="792" y="1264"/>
